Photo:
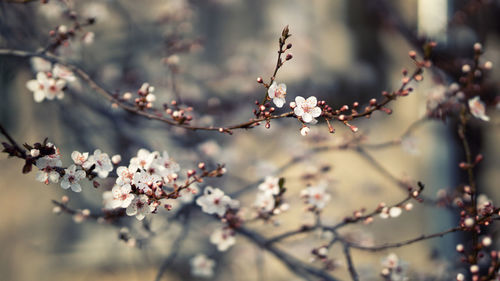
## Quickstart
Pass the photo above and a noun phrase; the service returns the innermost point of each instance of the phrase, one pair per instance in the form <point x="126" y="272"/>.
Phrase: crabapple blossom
<point x="62" y="72"/>
<point x="46" y="165"/>
<point x="265" y="201"/>
<point x="223" y="238"/>
<point x="122" y="198"/>
<point x="144" y="180"/>
<point x="214" y="201"/>
<point x="47" y="175"/>
<point x="477" y="109"/>
<point x="307" y="109"/>
<point x="316" y="196"/>
<point x="164" y="165"/>
<point x="46" y="88"/>
<point x="277" y="92"/>
<point x="102" y="163"/>
<point x="186" y="195"/>
<point x="125" y="175"/>
<point x="271" y="185"/>
<point x="71" y="178"/>
<point x="140" y="207"/>
<point x="79" y="158"/>
<point x="202" y="266"/>
<point x="143" y="160"/>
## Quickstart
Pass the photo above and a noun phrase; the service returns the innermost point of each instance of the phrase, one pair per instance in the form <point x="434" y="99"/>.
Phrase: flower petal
<point x="315" y="112"/>
<point x="279" y="102"/>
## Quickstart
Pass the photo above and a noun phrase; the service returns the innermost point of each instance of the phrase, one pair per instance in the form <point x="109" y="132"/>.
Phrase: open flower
<point x="144" y="180"/>
<point x="265" y="202"/>
<point x="202" y="266"/>
<point x="477" y="109"/>
<point x="102" y="163"/>
<point x="223" y="238"/>
<point x="316" y="196"/>
<point x="125" y="175"/>
<point x="271" y="185"/>
<point x="214" y="201"/>
<point x="46" y="88"/>
<point x="60" y="71"/>
<point x="122" y="198"/>
<point x="71" y="178"/>
<point x="164" y="165"/>
<point x="139" y="207"/>
<point x="277" y="92"/>
<point x="143" y="160"/>
<point x="307" y="109"/>
<point x="79" y="158"/>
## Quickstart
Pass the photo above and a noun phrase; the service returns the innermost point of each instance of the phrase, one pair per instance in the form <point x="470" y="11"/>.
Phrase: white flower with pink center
<point x="145" y="181"/>
<point x="143" y="160"/>
<point x="223" y="238"/>
<point x="277" y="92"/>
<point x="139" y="207"/>
<point x="125" y="175"/>
<point x="477" y="109"/>
<point x="270" y="185"/>
<point x="44" y="87"/>
<point x="102" y="163"/>
<point x="308" y="109"/>
<point x="122" y="198"/>
<point x="265" y="202"/>
<point x="316" y="196"/>
<point x="72" y="177"/>
<point x="79" y="158"/>
<point x="201" y="266"/>
<point x="214" y="201"/>
<point x="165" y="166"/>
<point x="62" y="72"/>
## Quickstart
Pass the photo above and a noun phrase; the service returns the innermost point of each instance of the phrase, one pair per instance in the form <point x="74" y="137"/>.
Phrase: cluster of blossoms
<point x="139" y="186"/>
<point x="214" y="201"/>
<point x="316" y="196"/>
<point x="269" y="197"/>
<point x="50" y="81"/>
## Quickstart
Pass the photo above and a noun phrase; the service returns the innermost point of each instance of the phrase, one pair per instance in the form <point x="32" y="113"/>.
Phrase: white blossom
<point x="143" y="160"/>
<point x="79" y="158"/>
<point x="214" y="201"/>
<point x="316" y="196"/>
<point x="202" y="266"/>
<point x="223" y="238"/>
<point x="122" y="198"/>
<point x="139" y="207"/>
<point x="307" y="109"/>
<point x="165" y="166"/>
<point x="271" y="185"/>
<point x="40" y="64"/>
<point x="265" y="202"/>
<point x="71" y="178"/>
<point x="187" y="194"/>
<point x="394" y="268"/>
<point x="125" y="175"/>
<point x="477" y="109"/>
<point x="277" y="92"/>
<point x="46" y="165"/>
<point x="305" y="131"/>
<point x="102" y="163"/>
<point x="44" y="87"/>
<point x="62" y="72"/>
<point x="144" y="180"/>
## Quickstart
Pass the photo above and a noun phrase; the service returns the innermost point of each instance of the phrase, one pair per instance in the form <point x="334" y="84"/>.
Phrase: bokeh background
<point x="344" y="51"/>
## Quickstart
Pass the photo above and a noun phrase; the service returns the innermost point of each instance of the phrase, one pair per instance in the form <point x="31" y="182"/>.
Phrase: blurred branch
<point x="350" y="263"/>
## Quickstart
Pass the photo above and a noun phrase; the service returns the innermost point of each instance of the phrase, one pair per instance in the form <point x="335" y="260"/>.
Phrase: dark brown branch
<point x="350" y="263"/>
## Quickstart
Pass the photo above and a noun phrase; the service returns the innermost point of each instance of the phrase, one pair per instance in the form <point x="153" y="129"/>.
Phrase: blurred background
<point x="207" y="54"/>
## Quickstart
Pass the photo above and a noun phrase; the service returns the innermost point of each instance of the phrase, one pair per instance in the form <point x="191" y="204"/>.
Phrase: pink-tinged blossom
<point x="144" y="180"/>
<point x="187" y="194"/>
<point x="53" y="160"/>
<point x="107" y="200"/>
<point x="394" y="268"/>
<point x="271" y="185"/>
<point x="307" y="109"/>
<point x="265" y="202"/>
<point x="477" y="109"/>
<point x="44" y="87"/>
<point x="125" y="175"/>
<point x="46" y="164"/>
<point x="201" y="266"/>
<point x="214" y="201"/>
<point x="122" y="198"/>
<point x="165" y="166"/>
<point x="139" y="207"/>
<point x="277" y="92"/>
<point x="62" y="72"/>
<point x="316" y="196"/>
<point x="79" y="158"/>
<point x="72" y="177"/>
<point x="223" y="238"/>
<point x="47" y="175"/>
<point x="143" y="160"/>
<point x="102" y="163"/>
